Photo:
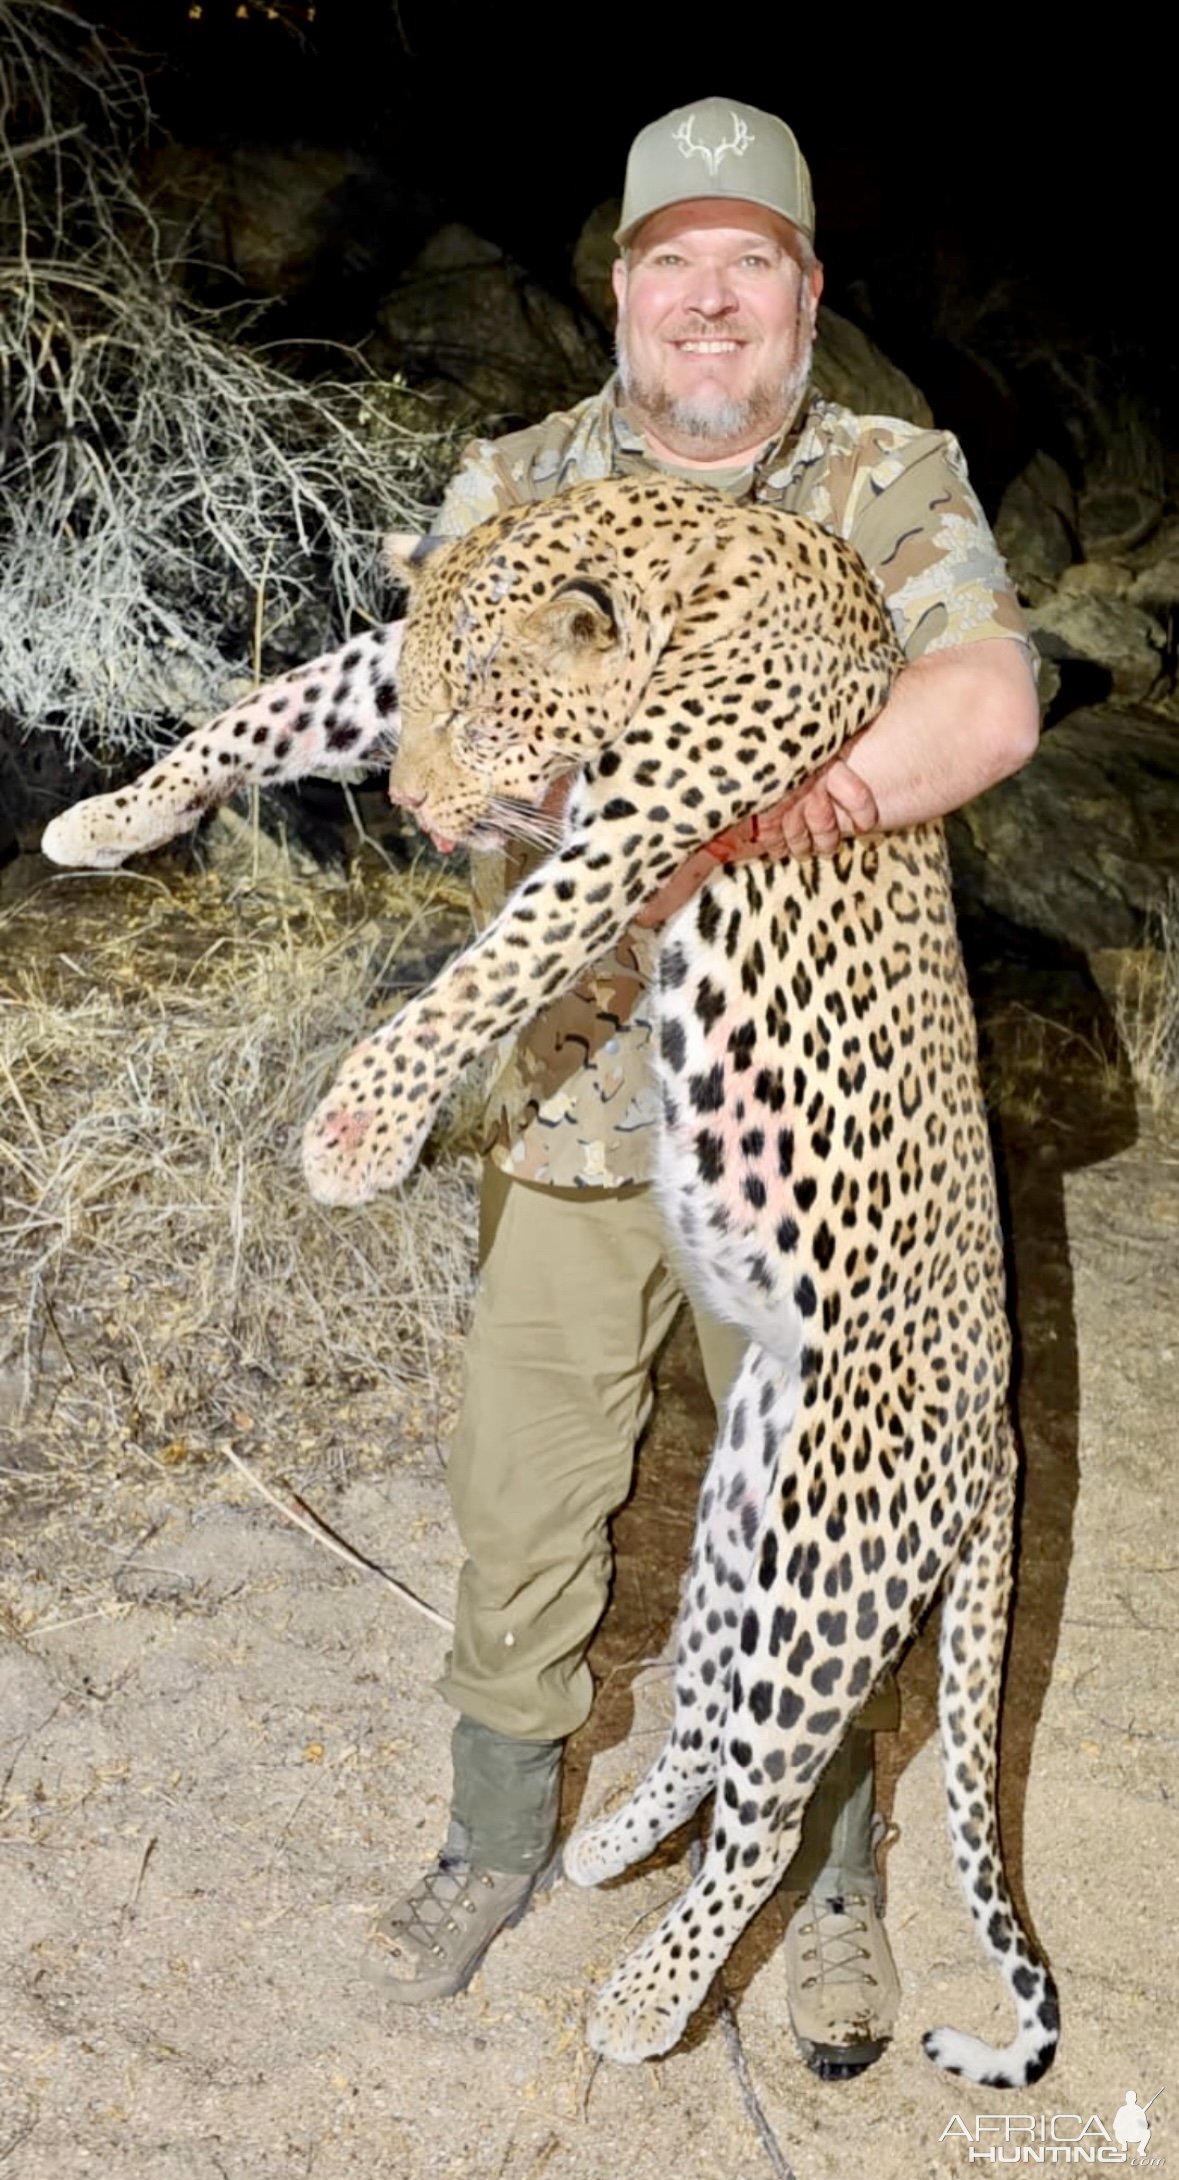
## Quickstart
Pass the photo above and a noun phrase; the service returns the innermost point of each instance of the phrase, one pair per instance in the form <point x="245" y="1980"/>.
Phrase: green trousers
<point x="575" y="1298"/>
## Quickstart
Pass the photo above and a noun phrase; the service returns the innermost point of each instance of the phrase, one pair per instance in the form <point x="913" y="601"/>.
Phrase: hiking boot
<point x="429" y="1943"/>
<point x="501" y="1847"/>
<point x="842" y="1987"/>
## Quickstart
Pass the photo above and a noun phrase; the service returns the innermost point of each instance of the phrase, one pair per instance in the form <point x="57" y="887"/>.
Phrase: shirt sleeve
<point x="481" y="486"/>
<point x="919" y="526"/>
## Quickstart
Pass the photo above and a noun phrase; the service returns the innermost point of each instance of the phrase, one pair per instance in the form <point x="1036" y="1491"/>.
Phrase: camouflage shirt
<point x="574" y="1103"/>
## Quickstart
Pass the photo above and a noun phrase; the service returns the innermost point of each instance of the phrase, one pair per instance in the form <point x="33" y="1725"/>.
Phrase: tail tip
<point x="1015" y="2067"/>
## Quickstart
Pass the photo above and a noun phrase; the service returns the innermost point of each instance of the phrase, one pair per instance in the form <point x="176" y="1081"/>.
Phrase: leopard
<point x="615" y="676"/>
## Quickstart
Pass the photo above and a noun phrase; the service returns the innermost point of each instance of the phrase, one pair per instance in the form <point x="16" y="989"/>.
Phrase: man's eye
<point x="755" y="258"/>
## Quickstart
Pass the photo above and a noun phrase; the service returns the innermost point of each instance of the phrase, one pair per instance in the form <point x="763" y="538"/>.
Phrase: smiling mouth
<point x="709" y="348"/>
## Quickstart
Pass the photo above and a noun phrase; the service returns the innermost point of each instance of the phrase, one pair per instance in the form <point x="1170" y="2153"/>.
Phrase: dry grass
<point x="1147" y="1009"/>
<point x="1027" y="1056"/>
<point x="161" y="1043"/>
<point x="176" y="511"/>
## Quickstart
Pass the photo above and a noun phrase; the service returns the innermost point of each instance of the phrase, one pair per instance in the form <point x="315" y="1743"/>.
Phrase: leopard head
<point x="527" y="650"/>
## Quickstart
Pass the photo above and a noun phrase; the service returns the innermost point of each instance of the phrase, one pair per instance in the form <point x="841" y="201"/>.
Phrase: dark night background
<point x="994" y="212"/>
<point x="946" y="160"/>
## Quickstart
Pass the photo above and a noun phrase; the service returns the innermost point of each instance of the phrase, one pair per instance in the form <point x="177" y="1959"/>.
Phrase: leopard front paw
<point x="97" y="834"/>
<point x="641" y="2013"/>
<point x="367" y="1133"/>
<point x="601" y="1851"/>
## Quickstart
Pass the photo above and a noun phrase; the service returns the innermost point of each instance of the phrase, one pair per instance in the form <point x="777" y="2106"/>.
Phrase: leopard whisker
<point x="525" y="822"/>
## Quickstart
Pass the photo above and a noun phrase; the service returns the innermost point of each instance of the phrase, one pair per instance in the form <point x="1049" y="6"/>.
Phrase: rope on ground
<point x="306" y="1518"/>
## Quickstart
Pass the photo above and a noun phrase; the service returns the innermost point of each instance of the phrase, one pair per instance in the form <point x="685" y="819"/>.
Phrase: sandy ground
<point x="220" y="1747"/>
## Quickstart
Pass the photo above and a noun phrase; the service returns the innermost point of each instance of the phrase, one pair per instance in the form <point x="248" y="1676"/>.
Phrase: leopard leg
<point x="756" y="1425"/>
<point x="645" y="2008"/>
<point x="327" y="718"/>
<point x="973" y="1638"/>
<point x="808" y="1657"/>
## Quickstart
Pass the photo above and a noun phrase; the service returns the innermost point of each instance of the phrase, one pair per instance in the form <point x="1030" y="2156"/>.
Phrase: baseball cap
<point x="716" y="148"/>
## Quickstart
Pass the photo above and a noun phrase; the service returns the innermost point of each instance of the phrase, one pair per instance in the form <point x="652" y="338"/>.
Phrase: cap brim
<point x="623" y="235"/>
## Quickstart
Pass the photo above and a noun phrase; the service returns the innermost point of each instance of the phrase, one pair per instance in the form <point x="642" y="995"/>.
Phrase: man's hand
<point x="957" y="720"/>
<point x="828" y="808"/>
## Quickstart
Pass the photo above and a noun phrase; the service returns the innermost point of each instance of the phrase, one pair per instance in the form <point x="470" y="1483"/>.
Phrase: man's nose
<point x="711" y="292"/>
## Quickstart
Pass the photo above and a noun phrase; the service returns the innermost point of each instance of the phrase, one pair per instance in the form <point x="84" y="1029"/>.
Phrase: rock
<point x="152" y="1585"/>
<point x="1036" y="526"/>
<point x="848" y="367"/>
<point x="1096" y="579"/>
<point x="268" y="854"/>
<point x="593" y="257"/>
<point x="1123" y="494"/>
<point x="1156" y="588"/>
<point x="1118" y="511"/>
<point x="1099" y="413"/>
<point x="1090" y="621"/>
<point x="464" y="312"/>
<point x="283" y="221"/>
<point x="1152" y="574"/>
<point x="1082" y="844"/>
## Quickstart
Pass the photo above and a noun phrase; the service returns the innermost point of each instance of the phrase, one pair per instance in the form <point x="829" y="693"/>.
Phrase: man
<point x="717" y="287"/>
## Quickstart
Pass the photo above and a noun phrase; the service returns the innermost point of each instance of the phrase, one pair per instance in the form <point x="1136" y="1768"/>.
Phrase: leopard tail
<point x="973" y="1634"/>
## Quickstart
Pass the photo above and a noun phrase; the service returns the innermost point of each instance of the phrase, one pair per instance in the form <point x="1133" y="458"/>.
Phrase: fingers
<point x="853" y="798"/>
<point x="833" y="808"/>
<point x="811" y="821"/>
<point x="813" y="827"/>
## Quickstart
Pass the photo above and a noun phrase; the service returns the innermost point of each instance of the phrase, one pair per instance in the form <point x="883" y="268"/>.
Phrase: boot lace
<point x="440" y="1895"/>
<point x="832" y="1941"/>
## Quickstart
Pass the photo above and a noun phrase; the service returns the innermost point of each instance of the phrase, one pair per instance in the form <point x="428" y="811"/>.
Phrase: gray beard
<point x="718" y="421"/>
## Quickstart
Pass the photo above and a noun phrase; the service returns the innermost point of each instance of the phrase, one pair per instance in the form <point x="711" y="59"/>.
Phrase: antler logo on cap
<point x="713" y="154"/>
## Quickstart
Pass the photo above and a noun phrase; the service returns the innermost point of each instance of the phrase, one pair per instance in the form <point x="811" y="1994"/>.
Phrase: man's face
<point x="716" y="316"/>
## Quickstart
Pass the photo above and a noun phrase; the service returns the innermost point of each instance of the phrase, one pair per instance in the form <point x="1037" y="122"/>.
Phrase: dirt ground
<point x="220" y="1748"/>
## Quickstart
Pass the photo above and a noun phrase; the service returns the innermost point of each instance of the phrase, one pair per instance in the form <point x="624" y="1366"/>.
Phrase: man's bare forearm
<point x="955" y="723"/>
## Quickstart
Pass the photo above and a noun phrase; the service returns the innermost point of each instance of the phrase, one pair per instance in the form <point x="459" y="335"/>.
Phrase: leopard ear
<point x="578" y="620"/>
<point x="406" y="554"/>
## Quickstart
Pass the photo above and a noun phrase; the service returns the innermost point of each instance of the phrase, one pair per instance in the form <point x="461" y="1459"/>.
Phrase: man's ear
<point x="575" y="624"/>
<point x="813" y="285"/>
<point x="406" y="554"/>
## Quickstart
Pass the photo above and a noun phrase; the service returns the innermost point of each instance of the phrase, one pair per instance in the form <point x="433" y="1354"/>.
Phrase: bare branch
<point x="156" y="474"/>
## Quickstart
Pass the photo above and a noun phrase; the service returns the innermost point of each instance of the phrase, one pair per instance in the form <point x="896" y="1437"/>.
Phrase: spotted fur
<point x="824" y="1158"/>
<point x="327" y="718"/>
